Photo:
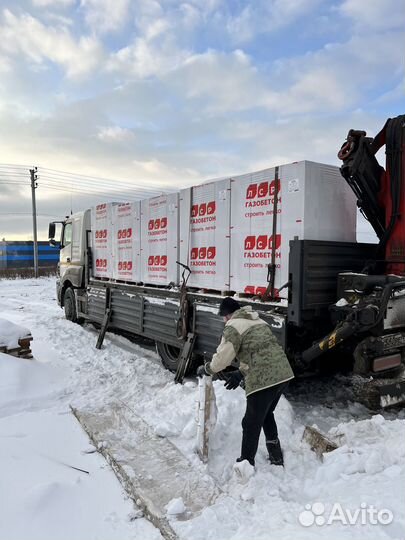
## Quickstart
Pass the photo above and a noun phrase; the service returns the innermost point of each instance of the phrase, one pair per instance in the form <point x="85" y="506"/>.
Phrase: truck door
<point x="65" y="256"/>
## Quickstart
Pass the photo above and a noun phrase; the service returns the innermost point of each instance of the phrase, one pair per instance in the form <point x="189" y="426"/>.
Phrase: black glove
<point x="201" y="371"/>
<point x="234" y="380"/>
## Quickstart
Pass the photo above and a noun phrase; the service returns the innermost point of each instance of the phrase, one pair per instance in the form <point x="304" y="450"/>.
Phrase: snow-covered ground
<point x="42" y="496"/>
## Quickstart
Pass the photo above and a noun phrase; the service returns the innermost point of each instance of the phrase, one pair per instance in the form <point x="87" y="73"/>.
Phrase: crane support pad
<point x="150" y="468"/>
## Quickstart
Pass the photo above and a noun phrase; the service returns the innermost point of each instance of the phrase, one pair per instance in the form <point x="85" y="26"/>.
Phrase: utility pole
<point x="34" y="185"/>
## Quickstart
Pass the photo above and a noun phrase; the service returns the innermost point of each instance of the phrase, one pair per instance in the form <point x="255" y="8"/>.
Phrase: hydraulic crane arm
<point x="380" y="193"/>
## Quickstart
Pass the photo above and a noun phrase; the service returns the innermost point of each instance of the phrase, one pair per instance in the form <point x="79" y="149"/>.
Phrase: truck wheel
<point x="169" y="355"/>
<point x="69" y="303"/>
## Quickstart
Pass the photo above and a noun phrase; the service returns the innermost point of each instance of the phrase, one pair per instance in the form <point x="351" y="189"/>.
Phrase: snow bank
<point x="10" y="333"/>
<point x="23" y="382"/>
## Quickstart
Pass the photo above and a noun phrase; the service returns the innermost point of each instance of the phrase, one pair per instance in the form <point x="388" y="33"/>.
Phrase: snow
<point x="10" y="333"/>
<point x="342" y="302"/>
<point x="40" y="440"/>
<point x="244" y="472"/>
<point x="176" y="507"/>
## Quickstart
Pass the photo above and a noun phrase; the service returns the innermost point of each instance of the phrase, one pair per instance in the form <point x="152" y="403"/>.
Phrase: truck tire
<point x="69" y="304"/>
<point x="169" y="355"/>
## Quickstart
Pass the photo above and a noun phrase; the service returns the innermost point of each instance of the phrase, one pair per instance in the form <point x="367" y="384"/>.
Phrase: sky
<point x="165" y="93"/>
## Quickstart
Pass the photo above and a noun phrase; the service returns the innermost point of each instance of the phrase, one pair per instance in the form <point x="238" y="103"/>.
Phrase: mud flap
<point x="150" y="468"/>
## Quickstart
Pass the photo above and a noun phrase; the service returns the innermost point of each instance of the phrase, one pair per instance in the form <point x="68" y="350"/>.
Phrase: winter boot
<point x="275" y="452"/>
<point x="251" y="461"/>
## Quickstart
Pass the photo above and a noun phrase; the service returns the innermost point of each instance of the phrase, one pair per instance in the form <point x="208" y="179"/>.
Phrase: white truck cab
<point x="73" y="246"/>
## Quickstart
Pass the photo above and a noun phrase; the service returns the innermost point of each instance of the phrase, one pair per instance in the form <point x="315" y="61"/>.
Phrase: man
<point x="265" y="369"/>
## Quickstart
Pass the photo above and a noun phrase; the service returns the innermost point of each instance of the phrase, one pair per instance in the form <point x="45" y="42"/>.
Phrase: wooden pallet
<point x="23" y="350"/>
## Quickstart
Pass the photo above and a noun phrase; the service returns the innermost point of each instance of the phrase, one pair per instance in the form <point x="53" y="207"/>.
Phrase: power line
<point x="134" y="187"/>
<point x="26" y="214"/>
<point x="91" y="183"/>
<point x="95" y="178"/>
<point x="100" y="187"/>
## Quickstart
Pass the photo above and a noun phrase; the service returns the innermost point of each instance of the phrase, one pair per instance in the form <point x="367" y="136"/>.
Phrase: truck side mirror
<point x="51" y="231"/>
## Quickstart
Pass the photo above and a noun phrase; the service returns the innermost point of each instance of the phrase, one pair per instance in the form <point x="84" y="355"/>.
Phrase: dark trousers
<point x="260" y="414"/>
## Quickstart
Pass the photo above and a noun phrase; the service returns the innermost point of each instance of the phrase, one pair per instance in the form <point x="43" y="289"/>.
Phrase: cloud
<point x="374" y="14"/>
<point x="263" y="16"/>
<point x="53" y="3"/>
<point x="26" y="36"/>
<point x="114" y="134"/>
<point x="105" y="15"/>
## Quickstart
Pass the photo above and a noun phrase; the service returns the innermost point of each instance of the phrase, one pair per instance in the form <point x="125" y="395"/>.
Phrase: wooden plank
<point x="151" y="469"/>
<point x="206" y="416"/>
<point x="318" y="442"/>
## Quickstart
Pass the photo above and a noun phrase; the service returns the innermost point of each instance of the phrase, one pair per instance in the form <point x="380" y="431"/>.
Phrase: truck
<point x="341" y="306"/>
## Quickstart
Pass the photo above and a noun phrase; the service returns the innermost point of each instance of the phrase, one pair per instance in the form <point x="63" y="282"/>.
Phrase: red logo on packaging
<point x="203" y="209"/>
<point x="101" y="234"/>
<point x="211" y="207"/>
<point x="277" y="242"/>
<point x="252" y="289"/>
<point x="250" y="242"/>
<point x="203" y="253"/>
<point x="157" y="224"/>
<point x="251" y="191"/>
<point x="264" y="189"/>
<point x="125" y="266"/>
<point x="101" y="263"/>
<point x="211" y="252"/>
<point x="124" y="233"/>
<point x="157" y="260"/>
<point x="273" y="189"/>
<point x="262" y="242"/>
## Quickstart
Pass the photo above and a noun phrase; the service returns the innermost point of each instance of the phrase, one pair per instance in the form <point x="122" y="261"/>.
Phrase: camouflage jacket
<point x="250" y="340"/>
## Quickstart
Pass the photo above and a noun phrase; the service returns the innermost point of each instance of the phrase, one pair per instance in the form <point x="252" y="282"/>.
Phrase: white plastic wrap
<point x="127" y="241"/>
<point x="204" y="234"/>
<point x="160" y="239"/>
<point x="314" y="203"/>
<point x="102" y="233"/>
